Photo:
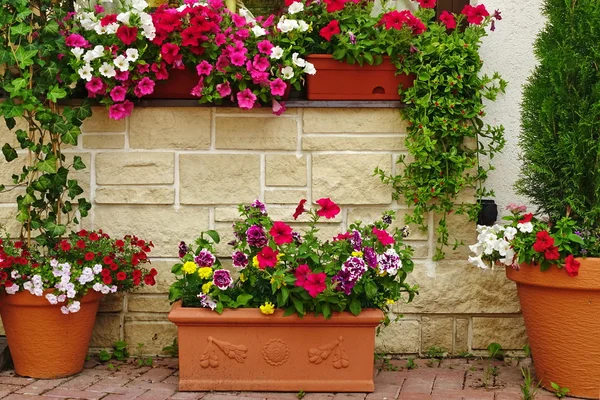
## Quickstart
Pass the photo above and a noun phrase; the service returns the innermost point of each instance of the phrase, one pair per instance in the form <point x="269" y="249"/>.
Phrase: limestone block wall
<point x="167" y="173"/>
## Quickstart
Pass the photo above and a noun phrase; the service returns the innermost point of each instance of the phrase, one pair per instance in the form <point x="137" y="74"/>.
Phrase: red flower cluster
<point x="328" y="208"/>
<point x="545" y="244"/>
<point x="335" y="5"/>
<point x="398" y="19"/>
<point x="327" y="32"/>
<point x="572" y="265"/>
<point x="314" y="283"/>
<point x="267" y="257"/>
<point x="475" y="15"/>
<point x="448" y="19"/>
<point x="426" y="3"/>
<point x="383" y="236"/>
<point x="282" y="233"/>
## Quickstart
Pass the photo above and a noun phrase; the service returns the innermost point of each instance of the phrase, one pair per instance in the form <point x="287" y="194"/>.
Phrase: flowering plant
<point x="85" y="261"/>
<point x="364" y="267"/>
<point x="526" y="239"/>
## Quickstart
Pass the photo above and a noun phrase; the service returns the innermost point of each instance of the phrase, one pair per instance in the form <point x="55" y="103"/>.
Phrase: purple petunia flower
<point x="205" y="259"/>
<point x="297" y="237"/>
<point x="207" y="301"/>
<point x="355" y="267"/>
<point x="256" y="236"/>
<point x="370" y="257"/>
<point x="260" y="206"/>
<point x="389" y="262"/>
<point x="345" y="281"/>
<point x="222" y="279"/>
<point x="183" y="249"/>
<point x="356" y="240"/>
<point x="239" y="259"/>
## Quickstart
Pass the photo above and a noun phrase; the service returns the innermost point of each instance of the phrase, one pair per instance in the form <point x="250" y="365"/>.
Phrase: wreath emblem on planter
<point x="209" y="357"/>
<point x="340" y="358"/>
<point x="276" y="352"/>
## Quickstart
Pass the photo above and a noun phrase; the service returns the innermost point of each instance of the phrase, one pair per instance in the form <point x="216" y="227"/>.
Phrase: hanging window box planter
<point x="244" y="350"/>
<point x="178" y="85"/>
<point x="336" y="80"/>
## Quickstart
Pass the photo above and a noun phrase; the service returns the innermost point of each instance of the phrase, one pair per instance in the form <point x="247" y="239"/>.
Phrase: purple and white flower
<point x="356" y="240"/>
<point x="256" y="236"/>
<point x="204" y="259"/>
<point x="240" y="259"/>
<point x="370" y="257"/>
<point x="261" y="206"/>
<point x="222" y="279"/>
<point x="389" y="262"/>
<point x="207" y="301"/>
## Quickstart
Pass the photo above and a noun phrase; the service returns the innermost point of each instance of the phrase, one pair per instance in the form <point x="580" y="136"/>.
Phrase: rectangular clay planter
<point x="336" y="80"/>
<point x="244" y="350"/>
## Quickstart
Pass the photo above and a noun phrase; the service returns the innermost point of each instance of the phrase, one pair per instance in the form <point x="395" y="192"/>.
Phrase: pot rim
<point x="557" y="278"/>
<point x="26" y="299"/>
<point x="179" y="315"/>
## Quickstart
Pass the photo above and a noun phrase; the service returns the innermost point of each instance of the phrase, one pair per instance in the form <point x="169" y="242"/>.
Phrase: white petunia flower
<point x="149" y="32"/>
<point x="295" y="7"/>
<point x="111" y="29"/>
<point x="258" y="31"/>
<point x="77" y="52"/>
<point x="244" y="12"/>
<point x="89" y="56"/>
<point x="287" y="25"/>
<point x="97" y="287"/>
<point x="310" y="69"/>
<point x="288" y="72"/>
<point x="107" y="70"/>
<point x="121" y="63"/>
<point x="509" y="258"/>
<point x="276" y="53"/>
<point x="64" y="310"/>
<point x="100" y="30"/>
<point x="98" y="51"/>
<point x="74" y="306"/>
<point x="476" y="248"/>
<point x="478" y="262"/>
<point x="527" y="227"/>
<point x="97" y="269"/>
<point x="302" y="26"/>
<point x="124" y="17"/>
<point x="139" y="5"/>
<point x="502" y="247"/>
<point x="509" y="233"/>
<point x="54" y="263"/>
<point x="132" y="54"/>
<point x="51" y="298"/>
<point x="301" y="62"/>
<point x="14" y="288"/>
<point x="39" y="292"/>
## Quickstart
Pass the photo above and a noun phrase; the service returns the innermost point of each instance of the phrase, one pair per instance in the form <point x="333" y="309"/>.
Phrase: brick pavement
<point x="451" y="379"/>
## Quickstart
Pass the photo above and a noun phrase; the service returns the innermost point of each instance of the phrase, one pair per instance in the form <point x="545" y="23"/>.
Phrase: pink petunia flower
<point x="122" y="75"/>
<point x="145" y="86"/>
<point x="118" y="93"/>
<point x="224" y="89"/>
<point x="238" y="58"/>
<point x="238" y="20"/>
<point x="197" y="90"/>
<point x="75" y="40"/>
<point x="278" y="108"/>
<point x="261" y="63"/>
<point x="204" y="68"/>
<point x="95" y="86"/>
<point x="265" y="47"/>
<point x="246" y="99"/>
<point x="278" y="87"/>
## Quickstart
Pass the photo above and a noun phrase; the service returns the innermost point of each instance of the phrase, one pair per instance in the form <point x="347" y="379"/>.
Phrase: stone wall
<point x="165" y="174"/>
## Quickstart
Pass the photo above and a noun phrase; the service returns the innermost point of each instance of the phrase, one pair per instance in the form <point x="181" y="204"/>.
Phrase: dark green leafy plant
<point x="446" y="133"/>
<point x="35" y="79"/>
<point x="560" y="138"/>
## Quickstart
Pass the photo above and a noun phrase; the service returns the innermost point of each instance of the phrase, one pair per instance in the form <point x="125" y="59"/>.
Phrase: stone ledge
<point x="289" y="104"/>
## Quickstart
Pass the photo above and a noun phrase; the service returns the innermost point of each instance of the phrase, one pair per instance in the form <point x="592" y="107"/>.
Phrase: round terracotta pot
<point x="562" y="317"/>
<point x="45" y="343"/>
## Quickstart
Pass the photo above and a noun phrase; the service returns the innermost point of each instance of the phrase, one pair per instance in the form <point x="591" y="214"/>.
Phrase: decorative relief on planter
<point x="276" y="352"/>
<point x="209" y="357"/>
<point x="340" y="358"/>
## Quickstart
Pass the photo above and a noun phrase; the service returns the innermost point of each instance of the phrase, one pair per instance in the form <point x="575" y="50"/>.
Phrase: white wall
<point x="509" y="50"/>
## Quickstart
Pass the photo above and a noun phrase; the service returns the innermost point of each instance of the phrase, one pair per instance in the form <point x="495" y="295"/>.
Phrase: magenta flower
<point x="265" y="47"/>
<point x="145" y="86"/>
<point x="197" y="90"/>
<point x="238" y="58"/>
<point x="143" y="68"/>
<point x="278" y="87"/>
<point x="95" y="86"/>
<point x="239" y="259"/>
<point x="246" y="99"/>
<point x="220" y="39"/>
<point x="99" y="9"/>
<point x="261" y="63"/>
<point x="224" y="89"/>
<point x="204" y="68"/>
<point x="222" y="63"/>
<point x="122" y="75"/>
<point x="118" y="93"/>
<point x="238" y="20"/>
<point x="222" y="279"/>
<point x="75" y="40"/>
<point x="205" y="259"/>
<point x="259" y="78"/>
<point x="269" y="21"/>
<point x="278" y="108"/>
<point x="120" y="110"/>
<point x="216" y="4"/>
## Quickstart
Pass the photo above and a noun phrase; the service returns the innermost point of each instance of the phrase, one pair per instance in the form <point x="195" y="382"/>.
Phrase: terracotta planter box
<point x="45" y="343"/>
<point x="336" y="80"/>
<point x="562" y="317"/>
<point x="244" y="350"/>
<point x="178" y="86"/>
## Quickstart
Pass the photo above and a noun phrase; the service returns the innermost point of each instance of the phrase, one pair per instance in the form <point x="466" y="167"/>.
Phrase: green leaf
<point x="176" y="269"/>
<point x="285" y="294"/>
<point x="298" y="305"/>
<point x="56" y="93"/>
<point x="10" y="123"/>
<point x="25" y="57"/>
<point x="355" y="307"/>
<point x="175" y="293"/>
<point x="21" y="29"/>
<point x="214" y="235"/>
<point x="555" y="386"/>
<point x="576" y="238"/>
<point x="71" y="135"/>
<point x="54" y="229"/>
<point x="289" y="311"/>
<point x="326" y="310"/>
<point x="78" y="163"/>
<point x="370" y="289"/>
<point x="9" y="153"/>
<point x="48" y="165"/>
<point x="243" y="299"/>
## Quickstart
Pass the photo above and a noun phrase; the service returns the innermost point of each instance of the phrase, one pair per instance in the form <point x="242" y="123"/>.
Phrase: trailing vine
<point x="446" y="133"/>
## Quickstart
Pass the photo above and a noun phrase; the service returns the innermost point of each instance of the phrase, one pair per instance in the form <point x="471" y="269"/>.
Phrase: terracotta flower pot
<point x="336" y="80"/>
<point x="45" y="343"/>
<point x="562" y="317"/>
<point x="245" y="350"/>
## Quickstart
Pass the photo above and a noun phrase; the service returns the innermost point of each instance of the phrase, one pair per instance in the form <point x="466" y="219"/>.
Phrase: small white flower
<point x="287" y="72"/>
<point x="89" y="24"/>
<point x="51" y="298"/>
<point x="139" y="5"/>
<point x="54" y="263"/>
<point x="527" y="227"/>
<point x="113" y="289"/>
<point x="258" y="31"/>
<point x="124" y="17"/>
<point x="77" y="52"/>
<point x="61" y="298"/>
<point x="121" y="63"/>
<point x="476" y="248"/>
<point x="295" y="7"/>
<point x="89" y="56"/>
<point x="74" y="306"/>
<point x="28" y="286"/>
<point x="509" y="258"/>
<point x="97" y="287"/>
<point x="244" y="12"/>
<point x="149" y="32"/>
<point x="502" y="247"/>
<point x="310" y="69"/>
<point x="146" y="19"/>
<point x="98" y="51"/>
<point x="132" y="54"/>
<point x="510" y="232"/>
<point x="64" y="310"/>
<point x="105" y="290"/>
<point x="12" y="289"/>
<point x="100" y="30"/>
<point x="15" y="274"/>
<point x="301" y="62"/>
<point x="276" y="53"/>
<point x="97" y="269"/>
<point x="497" y="228"/>
<point x="107" y="70"/>
<point x="39" y="292"/>
<point x="287" y="25"/>
<point x="478" y="262"/>
<point x="302" y="26"/>
<point x="111" y="29"/>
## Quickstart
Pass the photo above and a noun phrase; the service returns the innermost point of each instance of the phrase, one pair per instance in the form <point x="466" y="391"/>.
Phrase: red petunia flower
<point x="108" y="19"/>
<point x="89" y="256"/>
<point x="94" y="236"/>
<point x="299" y="209"/>
<point x="475" y="15"/>
<point x="107" y="279"/>
<point x="82" y="233"/>
<point x="282" y="233"/>
<point x="328" y="208"/>
<point x="551" y="253"/>
<point x="80" y="244"/>
<point x="107" y="260"/>
<point x="342" y="236"/>
<point x="332" y="28"/>
<point x="301" y="273"/>
<point x="127" y="34"/>
<point x="65" y="246"/>
<point x="572" y="265"/>
<point x="427" y="3"/>
<point x="121" y="276"/>
<point x="120" y="243"/>
<point x="526" y="218"/>
<point x="335" y="5"/>
<point x="315" y="283"/>
<point x="267" y="258"/>
<point x="149" y="280"/>
<point x="448" y="19"/>
<point x="383" y="236"/>
<point x="18" y="245"/>
<point x="544" y="241"/>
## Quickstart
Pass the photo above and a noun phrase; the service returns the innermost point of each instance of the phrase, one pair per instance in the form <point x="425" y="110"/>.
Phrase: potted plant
<point x="554" y="258"/>
<point x="51" y="281"/>
<point x="301" y="313"/>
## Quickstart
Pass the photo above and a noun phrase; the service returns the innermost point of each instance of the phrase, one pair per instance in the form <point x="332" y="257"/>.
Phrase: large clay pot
<point x="244" y="350"/>
<point x="562" y="317"/>
<point x="336" y="80"/>
<point x="45" y="343"/>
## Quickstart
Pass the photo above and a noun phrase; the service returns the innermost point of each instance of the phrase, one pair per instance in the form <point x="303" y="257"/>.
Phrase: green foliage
<point x="446" y="133"/>
<point x="35" y="79"/>
<point x="559" y="391"/>
<point x="140" y="360"/>
<point x="119" y="352"/>
<point x="172" y="349"/>
<point x="410" y="364"/>
<point x="528" y="389"/>
<point x="494" y="352"/>
<point x="560" y="135"/>
<point x="300" y="394"/>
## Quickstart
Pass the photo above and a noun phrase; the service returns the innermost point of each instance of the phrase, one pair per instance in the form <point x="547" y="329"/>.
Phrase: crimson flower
<point x="267" y="257"/>
<point x="65" y="246"/>
<point x="107" y="279"/>
<point x="82" y="233"/>
<point x="427" y="3"/>
<point x="301" y="274"/>
<point x="121" y="276"/>
<point x="332" y="28"/>
<point x="526" y="218"/>
<point x="120" y="243"/>
<point x="149" y="280"/>
<point x="335" y="5"/>
<point x="328" y="208"/>
<point x="551" y="253"/>
<point x="342" y="236"/>
<point x="80" y="244"/>
<point x="572" y="265"/>
<point x="169" y="52"/>
<point x="127" y="34"/>
<point x="299" y="209"/>
<point x="475" y="15"/>
<point x="448" y="19"/>
<point x="315" y="283"/>
<point x="282" y="233"/>
<point x="108" y="19"/>
<point x="383" y="236"/>
<point x="544" y="241"/>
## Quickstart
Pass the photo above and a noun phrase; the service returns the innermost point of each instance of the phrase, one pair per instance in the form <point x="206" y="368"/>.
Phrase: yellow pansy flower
<point x="357" y="254"/>
<point x="206" y="287"/>
<point x="267" y="308"/>
<point x="390" y="301"/>
<point x="189" y="267"/>
<point x="205" y="272"/>
<point x="255" y="262"/>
